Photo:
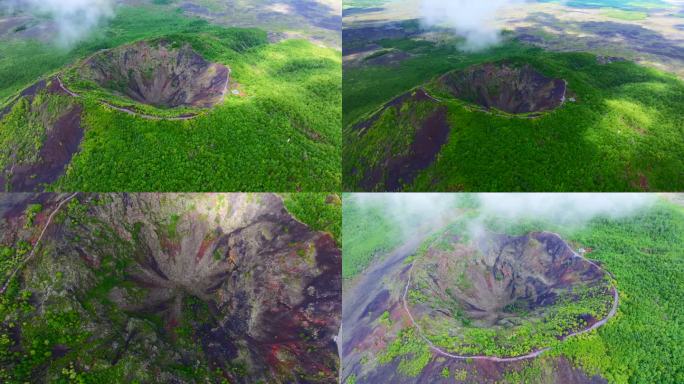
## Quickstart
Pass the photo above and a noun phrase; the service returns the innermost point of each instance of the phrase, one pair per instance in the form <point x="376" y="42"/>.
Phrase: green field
<point x="282" y="136"/>
<point x="624" y="131"/>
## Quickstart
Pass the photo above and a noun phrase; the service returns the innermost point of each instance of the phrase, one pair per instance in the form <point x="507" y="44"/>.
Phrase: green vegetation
<point x="31" y="211"/>
<point x="622" y="133"/>
<point x="368" y="232"/>
<point x="385" y="320"/>
<point x="281" y="134"/>
<point x="414" y="353"/>
<point x="24" y="129"/>
<point x="526" y="332"/>
<point x="542" y="331"/>
<point x="643" y="344"/>
<point x="172" y="228"/>
<point x="320" y="211"/>
<point x="366" y="88"/>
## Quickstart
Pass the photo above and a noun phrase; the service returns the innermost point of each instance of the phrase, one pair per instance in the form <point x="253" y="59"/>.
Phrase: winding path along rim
<point x="531" y="355"/>
<point x="126" y="110"/>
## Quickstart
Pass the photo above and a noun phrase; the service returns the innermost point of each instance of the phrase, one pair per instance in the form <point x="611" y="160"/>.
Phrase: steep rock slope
<point x="176" y="288"/>
<point x="512" y="89"/>
<point x="160" y="74"/>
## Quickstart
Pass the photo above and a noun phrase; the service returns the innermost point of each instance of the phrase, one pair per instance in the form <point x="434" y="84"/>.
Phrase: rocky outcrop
<point x="502" y="280"/>
<point x="233" y="283"/>
<point x="506" y="87"/>
<point x="159" y="73"/>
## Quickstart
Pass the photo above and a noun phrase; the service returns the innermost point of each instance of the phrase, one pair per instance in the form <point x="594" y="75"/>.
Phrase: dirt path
<point x="35" y="246"/>
<point x="531" y="355"/>
<point x="125" y="110"/>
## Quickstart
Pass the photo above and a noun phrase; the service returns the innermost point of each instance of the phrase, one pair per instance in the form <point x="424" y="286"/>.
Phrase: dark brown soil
<point x="378" y="305"/>
<point x="61" y="144"/>
<point x="432" y="134"/>
<point x="428" y="142"/>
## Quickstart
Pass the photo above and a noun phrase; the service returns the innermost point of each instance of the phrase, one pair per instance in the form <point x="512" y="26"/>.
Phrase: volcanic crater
<point x="257" y="290"/>
<point x="514" y="89"/>
<point x="159" y="73"/>
<point x="506" y="283"/>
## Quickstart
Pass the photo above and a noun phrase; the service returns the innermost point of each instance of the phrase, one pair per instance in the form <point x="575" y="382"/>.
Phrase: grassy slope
<point x="283" y="137"/>
<point x="624" y="132"/>
<point x="367" y="234"/>
<point x="645" y="343"/>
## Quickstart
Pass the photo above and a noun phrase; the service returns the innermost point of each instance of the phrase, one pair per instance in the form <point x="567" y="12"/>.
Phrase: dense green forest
<point x="621" y="131"/>
<point x="281" y="134"/>
<point x="320" y="211"/>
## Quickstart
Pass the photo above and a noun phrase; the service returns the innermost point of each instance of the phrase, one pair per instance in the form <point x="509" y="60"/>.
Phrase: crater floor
<point x="159" y="73"/>
<point x="523" y="292"/>
<point x="510" y="88"/>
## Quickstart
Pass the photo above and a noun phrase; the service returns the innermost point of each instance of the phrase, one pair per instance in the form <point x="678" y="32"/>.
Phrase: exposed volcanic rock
<point x="418" y="116"/>
<point x="160" y="74"/>
<point x="509" y="88"/>
<point x="503" y="282"/>
<point x="236" y="283"/>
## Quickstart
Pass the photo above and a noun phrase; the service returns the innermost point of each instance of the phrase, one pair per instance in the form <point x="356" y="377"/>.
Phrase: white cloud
<point x="74" y="19"/>
<point x="473" y="19"/>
